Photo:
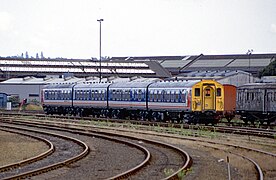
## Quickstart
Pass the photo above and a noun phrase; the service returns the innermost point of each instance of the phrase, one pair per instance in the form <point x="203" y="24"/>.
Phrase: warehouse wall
<point x="24" y="91"/>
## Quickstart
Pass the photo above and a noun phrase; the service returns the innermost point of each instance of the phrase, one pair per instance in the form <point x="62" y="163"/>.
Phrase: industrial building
<point x="24" y="78"/>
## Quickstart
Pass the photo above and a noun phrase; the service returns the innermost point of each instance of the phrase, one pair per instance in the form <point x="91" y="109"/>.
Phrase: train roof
<point x="257" y="85"/>
<point x="172" y="84"/>
<point x="130" y="84"/>
<point x="93" y="85"/>
<point x="57" y="86"/>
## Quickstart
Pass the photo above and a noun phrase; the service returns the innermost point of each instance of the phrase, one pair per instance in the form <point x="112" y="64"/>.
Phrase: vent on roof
<point x="111" y="78"/>
<point x="91" y="78"/>
<point x="27" y="78"/>
<point x="47" y="78"/>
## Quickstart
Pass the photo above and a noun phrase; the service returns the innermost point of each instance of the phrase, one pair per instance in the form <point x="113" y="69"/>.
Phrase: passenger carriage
<point x="90" y="99"/>
<point x="257" y="102"/>
<point x="57" y="98"/>
<point x="128" y="99"/>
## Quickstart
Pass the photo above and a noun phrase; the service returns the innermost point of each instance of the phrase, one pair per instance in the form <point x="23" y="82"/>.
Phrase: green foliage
<point x="168" y="172"/>
<point x="269" y="70"/>
<point x="14" y="101"/>
<point x="183" y="173"/>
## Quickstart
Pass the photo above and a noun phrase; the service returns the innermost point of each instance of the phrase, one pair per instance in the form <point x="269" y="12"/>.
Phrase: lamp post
<point x="249" y="52"/>
<point x="100" y="21"/>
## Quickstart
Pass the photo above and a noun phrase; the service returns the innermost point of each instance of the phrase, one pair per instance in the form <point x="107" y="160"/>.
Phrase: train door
<point x="209" y="97"/>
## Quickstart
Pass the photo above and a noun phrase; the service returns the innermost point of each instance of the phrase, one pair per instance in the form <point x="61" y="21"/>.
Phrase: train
<point x="256" y="102"/>
<point x="182" y="101"/>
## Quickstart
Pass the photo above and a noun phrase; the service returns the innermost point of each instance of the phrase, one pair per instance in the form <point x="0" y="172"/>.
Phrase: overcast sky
<point x="69" y="28"/>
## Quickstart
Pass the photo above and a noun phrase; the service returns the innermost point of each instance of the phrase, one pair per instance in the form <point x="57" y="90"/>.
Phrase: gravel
<point x="15" y="147"/>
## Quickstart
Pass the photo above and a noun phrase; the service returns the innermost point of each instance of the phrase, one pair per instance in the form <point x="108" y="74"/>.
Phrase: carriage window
<point x="218" y="91"/>
<point x="139" y="95"/>
<point x="155" y="96"/>
<point x="197" y="92"/>
<point x="172" y="96"/>
<point x="126" y="95"/>
<point x="151" y="96"/>
<point x="176" y="96"/>
<point x="92" y="94"/>
<point x="158" y="96"/>
<point x="183" y="96"/>
<point x="269" y="96"/>
<point x="252" y="96"/>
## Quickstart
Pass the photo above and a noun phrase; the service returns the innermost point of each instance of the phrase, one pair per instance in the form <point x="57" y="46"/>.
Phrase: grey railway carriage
<point x="257" y="102"/>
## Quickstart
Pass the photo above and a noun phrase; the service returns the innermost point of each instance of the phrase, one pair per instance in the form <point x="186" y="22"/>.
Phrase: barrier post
<point x="228" y="165"/>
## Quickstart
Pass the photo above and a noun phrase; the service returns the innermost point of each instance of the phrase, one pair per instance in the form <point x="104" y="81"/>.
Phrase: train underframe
<point x="257" y="117"/>
<point x="188" y="117"/>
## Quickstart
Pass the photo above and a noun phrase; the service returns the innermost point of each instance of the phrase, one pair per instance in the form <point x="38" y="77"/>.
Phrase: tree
<point x="269" y="70"/>
<point x="41" y="55"/>
<point x="27" y="55"/>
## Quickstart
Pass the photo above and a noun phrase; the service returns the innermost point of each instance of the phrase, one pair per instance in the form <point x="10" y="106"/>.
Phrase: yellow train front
<point x="207" y="102"/>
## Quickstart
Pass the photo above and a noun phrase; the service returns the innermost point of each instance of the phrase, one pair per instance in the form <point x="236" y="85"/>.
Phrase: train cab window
<point x="218" y="91"/>
<point x="207" y="92"/>
<point x="197" y="91"/>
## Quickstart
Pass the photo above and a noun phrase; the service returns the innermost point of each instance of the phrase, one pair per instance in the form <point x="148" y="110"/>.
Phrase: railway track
<point x="258" y="168"/>
<point x="54" y="158"/>
<point x="261" y="132"/>
<point x="159" y="156"/>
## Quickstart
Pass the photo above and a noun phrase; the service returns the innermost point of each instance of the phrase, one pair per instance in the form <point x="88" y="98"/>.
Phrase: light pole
<point x="249" y="52"/>
<point x="100" y="21"/>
